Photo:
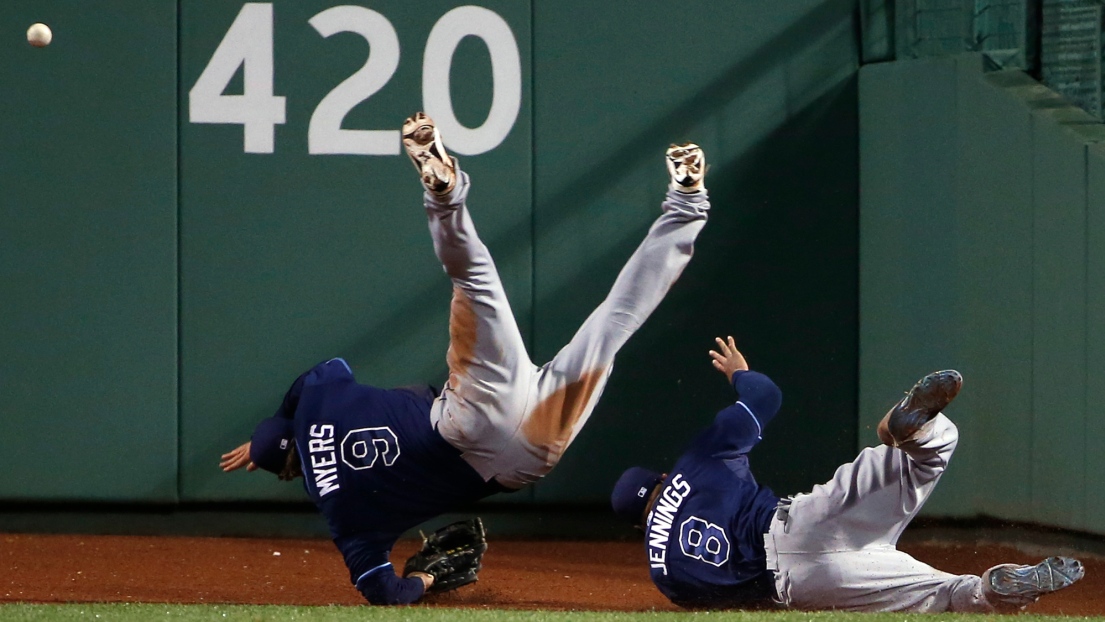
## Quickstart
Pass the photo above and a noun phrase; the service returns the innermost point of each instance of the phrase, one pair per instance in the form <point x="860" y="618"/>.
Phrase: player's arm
<point x="239" y="456"/>
<point x="373" y="575"/>
<point x="381" y="586"/>
<point x="740" y="426"/>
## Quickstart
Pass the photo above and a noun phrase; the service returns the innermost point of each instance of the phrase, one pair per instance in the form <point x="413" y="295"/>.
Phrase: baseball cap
<point x="269" y="445"/>
<point x="631" y="492"/>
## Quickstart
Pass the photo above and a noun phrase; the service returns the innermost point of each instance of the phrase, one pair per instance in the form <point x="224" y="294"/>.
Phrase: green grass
<point x="258" y="613"/>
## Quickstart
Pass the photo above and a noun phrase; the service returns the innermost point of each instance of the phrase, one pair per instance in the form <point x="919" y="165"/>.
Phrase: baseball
<point x="39" y="35"/>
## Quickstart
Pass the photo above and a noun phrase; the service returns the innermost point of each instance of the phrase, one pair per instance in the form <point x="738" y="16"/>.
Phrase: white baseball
<point x="39" y="35"/>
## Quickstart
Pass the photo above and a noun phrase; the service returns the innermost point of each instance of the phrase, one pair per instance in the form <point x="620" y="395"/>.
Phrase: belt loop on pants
<point x="782" y="512"/>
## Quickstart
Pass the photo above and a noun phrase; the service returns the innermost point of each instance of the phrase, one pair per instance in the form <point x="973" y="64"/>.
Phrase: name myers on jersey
<point x="323" y="461"/>
<point x="660" y="520"/>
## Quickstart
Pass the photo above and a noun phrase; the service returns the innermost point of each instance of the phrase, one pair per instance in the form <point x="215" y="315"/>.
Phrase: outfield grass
<point x="257" y="613"/>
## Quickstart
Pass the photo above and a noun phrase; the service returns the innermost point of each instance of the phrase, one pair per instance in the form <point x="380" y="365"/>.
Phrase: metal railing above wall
<point x="1071" y="51"/>
<point x="1006" y="29"/>
<point x="1059" y="42"/>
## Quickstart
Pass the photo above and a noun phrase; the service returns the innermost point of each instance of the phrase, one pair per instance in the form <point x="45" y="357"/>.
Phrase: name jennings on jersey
<point x="661" y="518"/>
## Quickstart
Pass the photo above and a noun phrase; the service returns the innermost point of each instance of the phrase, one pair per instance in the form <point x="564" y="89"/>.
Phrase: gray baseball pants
<point x="511" y="419"/>
<point x="835" y="548"/>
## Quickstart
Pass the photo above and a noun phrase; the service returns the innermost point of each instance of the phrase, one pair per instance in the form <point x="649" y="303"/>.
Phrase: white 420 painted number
<point x="506" y="73"/>
<point x="249" y="44"/>
<point x="324" y="134"/>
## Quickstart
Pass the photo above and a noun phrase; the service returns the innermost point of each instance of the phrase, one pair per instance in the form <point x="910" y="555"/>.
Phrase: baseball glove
<point x="451" y="555"/>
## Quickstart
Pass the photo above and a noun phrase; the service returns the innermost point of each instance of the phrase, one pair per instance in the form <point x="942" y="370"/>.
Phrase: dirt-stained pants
<point x="511" y="419"/>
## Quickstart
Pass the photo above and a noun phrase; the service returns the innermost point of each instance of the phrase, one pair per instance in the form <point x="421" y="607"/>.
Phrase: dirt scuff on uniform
<point x="550" y="425"/>
<point x="462" y="338"/>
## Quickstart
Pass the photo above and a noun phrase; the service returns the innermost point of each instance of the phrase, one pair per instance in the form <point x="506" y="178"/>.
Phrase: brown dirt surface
<point x="516" y="575"/>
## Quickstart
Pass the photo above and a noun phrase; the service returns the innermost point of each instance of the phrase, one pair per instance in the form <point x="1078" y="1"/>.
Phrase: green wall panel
<point x="906" y="259"/>
<point x="88" y="252"/>
<point x="1093" y="435"/>
<point x="1017" y="303"/>
<point x="1059" y="328"/>
<point x="994" y="227"/>
<point x="289" y="258"/>
<point x="771" y="97"/>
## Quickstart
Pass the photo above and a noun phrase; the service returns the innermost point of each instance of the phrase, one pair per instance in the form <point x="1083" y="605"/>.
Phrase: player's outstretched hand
<point x="237" y="458"/>
<point x="728" y="359"/>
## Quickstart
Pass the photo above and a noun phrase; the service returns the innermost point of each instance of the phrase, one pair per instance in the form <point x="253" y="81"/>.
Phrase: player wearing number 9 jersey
<point x="379" y="462"/>
<point x="716" y="538"/>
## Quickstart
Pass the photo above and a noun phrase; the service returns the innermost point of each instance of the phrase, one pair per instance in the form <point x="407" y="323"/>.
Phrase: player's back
<point x="704" y="536"/>
<point x="371" y="459"/>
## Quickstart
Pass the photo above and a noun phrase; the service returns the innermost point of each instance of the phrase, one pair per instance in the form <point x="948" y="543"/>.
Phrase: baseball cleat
<point x="423" y="144"/>
<point x="1010" y="584"/>
<point x="687" y="166"/>
<point x="924" y="401"/>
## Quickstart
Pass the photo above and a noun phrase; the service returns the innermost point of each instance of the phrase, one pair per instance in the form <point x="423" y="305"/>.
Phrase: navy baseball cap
<point x="631" y="493"/>
<point x="269" y="445"/>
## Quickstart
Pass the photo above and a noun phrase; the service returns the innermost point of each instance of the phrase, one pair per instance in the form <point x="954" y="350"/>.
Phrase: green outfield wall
<point x="201" y="199"/>
<point x="981" y="244"/>
<point x="88" y="252"/>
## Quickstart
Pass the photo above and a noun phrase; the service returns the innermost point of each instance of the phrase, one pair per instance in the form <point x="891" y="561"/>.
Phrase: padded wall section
<point x="993" y="175"/>
<point x="993" y="227"/>
<point x="1093" y="434"/>
<point x="88" y="252"/>
<point x="768" y="91"/>
<point x="904" y="201"/>
<point x="1059" y="323"/>
<point x="292" y="257"/>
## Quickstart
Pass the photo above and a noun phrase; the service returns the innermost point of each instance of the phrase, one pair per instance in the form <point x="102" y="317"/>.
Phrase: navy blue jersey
<point x="375" y="467"/>
<point x="705" y="533"/>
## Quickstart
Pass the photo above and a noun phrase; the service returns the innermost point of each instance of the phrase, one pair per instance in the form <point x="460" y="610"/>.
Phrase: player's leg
<point x="834" y="547"/>
<point x="871" y="500"/>
<point x="481" y="403"/>
<point x="569" y="386"/>
<point x="873" y="579"/>
<point x="881" y="578"/>
<point x="864" y="509"/>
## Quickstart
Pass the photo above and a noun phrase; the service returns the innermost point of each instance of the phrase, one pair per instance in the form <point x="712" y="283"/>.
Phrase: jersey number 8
<point x="704" y="541"/>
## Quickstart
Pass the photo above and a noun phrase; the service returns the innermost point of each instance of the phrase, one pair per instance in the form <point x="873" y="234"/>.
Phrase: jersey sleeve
<point x="737" y="428"/>
<point x="373" y="575"/>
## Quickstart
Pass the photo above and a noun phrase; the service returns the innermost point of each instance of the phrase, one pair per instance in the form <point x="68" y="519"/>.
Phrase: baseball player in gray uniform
<point x="378" y="462"/>
<point x="716" y="538"/>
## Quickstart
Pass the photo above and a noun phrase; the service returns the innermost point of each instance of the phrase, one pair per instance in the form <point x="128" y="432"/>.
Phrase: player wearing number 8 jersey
<point x="717" y="538"/>
<point x="379" y="462"/>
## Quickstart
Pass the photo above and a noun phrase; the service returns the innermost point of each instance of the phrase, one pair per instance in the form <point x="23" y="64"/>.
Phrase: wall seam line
<point x="1032" y="327"/>
<point x="533" y="174"/>
<point x="179" y="267"/>
<point x="1085" y="516"/>
<point x="533" y="187"/>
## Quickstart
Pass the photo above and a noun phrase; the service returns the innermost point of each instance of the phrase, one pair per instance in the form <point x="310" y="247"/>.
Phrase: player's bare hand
<point x="237" y="458"/>
<point x="727" y="359"/>
<point x="427" y="579"/>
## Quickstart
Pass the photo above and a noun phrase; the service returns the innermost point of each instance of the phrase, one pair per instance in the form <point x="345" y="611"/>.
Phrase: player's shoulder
<point x="705" y="464"/>
<point x="326" y="372"/>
